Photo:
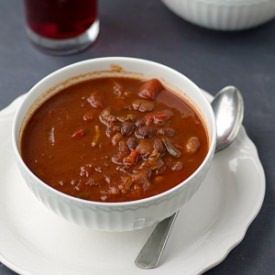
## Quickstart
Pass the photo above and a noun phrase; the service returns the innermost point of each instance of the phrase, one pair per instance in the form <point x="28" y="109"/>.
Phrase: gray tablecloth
<point x="147" y="29"/>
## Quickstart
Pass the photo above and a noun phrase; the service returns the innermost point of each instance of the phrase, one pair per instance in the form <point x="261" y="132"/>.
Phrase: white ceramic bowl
<point x="226" y="15"/>
<point x="121" y="216"/>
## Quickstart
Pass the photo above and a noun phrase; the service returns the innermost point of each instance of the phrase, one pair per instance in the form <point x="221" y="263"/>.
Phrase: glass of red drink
<point x="62" y="26"/>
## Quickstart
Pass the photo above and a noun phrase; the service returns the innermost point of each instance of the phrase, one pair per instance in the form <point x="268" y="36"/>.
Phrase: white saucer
<point x="35" y="241"/>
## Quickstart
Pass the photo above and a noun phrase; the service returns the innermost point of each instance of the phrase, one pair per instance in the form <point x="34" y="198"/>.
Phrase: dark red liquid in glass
<point x="59" y="19"/>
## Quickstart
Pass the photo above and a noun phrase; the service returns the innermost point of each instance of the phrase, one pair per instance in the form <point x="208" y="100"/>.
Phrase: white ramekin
<point x="121" y="216"/>
<point x="226" y="15"/>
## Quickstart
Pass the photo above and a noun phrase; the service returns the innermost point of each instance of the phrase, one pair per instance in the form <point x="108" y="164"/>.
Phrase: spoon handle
<point x="151" y="252"/>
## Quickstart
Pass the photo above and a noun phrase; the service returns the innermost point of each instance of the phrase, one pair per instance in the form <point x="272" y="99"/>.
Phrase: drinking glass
<point x="62" y="26"/>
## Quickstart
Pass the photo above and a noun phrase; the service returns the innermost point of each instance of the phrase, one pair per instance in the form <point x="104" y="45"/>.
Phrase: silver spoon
<point x="228" y="109"/>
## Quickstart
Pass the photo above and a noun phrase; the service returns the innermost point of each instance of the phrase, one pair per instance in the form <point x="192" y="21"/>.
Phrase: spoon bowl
<point x="228" y="108"/>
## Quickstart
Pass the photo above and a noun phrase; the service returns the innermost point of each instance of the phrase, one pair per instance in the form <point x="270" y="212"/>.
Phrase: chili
<point x="114" y="139"/>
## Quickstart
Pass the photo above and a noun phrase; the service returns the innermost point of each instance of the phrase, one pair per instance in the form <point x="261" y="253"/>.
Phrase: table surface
<point x="147" y="29"/>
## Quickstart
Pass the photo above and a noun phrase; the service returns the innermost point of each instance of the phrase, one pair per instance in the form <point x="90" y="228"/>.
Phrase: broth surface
<point x="114" y="139"/>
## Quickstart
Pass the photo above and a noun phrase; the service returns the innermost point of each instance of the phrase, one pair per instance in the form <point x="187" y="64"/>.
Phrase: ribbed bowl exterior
<point x="224" y="15"/>
<point x="115" y="218"/>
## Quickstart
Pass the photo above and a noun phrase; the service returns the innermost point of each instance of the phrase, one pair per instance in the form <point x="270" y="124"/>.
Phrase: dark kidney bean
<point x="132" y="143"/>
<point x="139" y="122"/>
<point x="159" y="146"/>
<point x="167" y="132"/>
<point x="144" y="132"/>
<point x="143" y="105"/>
<point x="127" y="128"/>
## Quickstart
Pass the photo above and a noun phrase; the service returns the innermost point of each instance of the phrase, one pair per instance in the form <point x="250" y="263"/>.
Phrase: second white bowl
<point x="226" y="15"/>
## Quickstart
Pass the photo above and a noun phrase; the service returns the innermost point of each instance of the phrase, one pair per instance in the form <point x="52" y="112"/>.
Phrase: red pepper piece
<point x="132" y="158"/>
<point x="158" y="118"/>
<point x="150" y="89"/>
<point x="78" y="133"/>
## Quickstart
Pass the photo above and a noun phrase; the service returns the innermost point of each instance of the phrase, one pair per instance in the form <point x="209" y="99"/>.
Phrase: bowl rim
<point x="16" y="128"/>
<point x="228" y="3"/>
